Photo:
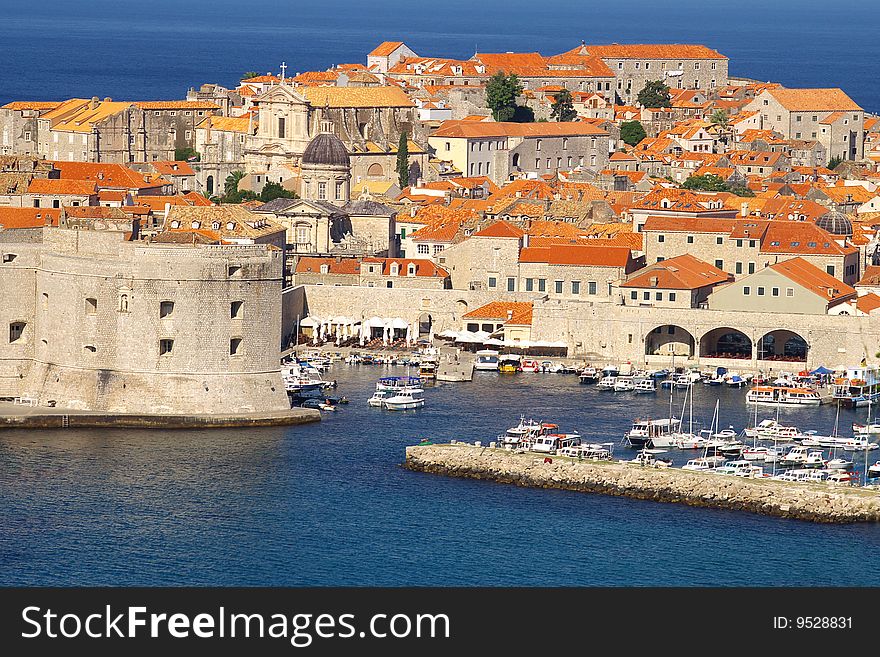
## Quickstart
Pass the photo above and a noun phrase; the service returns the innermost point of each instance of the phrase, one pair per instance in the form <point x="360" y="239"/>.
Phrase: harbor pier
<point x="813" y="502"/>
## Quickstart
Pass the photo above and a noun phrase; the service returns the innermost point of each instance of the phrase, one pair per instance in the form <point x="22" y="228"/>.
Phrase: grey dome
<point x="835" y="223"/>
<point x="326" y="150"/>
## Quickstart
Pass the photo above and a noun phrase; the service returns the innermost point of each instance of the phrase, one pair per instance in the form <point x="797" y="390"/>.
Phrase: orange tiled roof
<point x="172" y="168"/>
<point x="387" y="96"/>
<point x="478" y="129"/>
<point x="424" y="267"/>
<point x="105" y="175"/>
<point x="61" y="187"/>
<point x="520" y="312"/>
<point x="20" y="105"/>
<point x="500" y="229"/>
<point x="868" y="302"/>
<point x="176" y="104"/>
<point x="577" y="255"/>
<point x="814" y="279"/>
<point x="385" y="48"/>
<point x="806" y="100"/>
<point x="684" y="272"/>
<point x="649" y="51"/>
<point x="444" y="232"/>
<point x="801" y="238"/>
<point x="28" y="217"/>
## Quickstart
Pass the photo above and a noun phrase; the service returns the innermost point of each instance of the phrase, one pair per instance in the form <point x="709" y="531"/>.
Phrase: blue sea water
<point x="329" y="504"/>
<point x="57" y="49"/>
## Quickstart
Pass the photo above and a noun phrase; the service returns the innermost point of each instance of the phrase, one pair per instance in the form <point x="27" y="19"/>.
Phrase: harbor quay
<point x="811" y="502"/>
<point x="608" y="332"/>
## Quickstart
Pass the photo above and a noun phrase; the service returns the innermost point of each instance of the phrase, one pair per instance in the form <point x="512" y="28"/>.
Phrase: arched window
<point x="123" y="303"/>
<point x="375" y="170"/>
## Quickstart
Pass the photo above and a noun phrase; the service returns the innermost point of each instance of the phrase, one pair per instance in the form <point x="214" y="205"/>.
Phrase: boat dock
<point x="813" y="502"/>
<point x="16" y="416"/>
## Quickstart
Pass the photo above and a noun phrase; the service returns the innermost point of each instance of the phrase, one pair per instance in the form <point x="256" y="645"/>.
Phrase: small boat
<point x="428" y="367"/>
<point x="866" y="429"/>
<point x="704" y="463"/>
<point x="379" y="397"/>
<point x="859" y="444"/>
<point x="624" y="384"/>
<point x="487" y="360"/>
<point x="735" y="381"/>
<point x="839" y="464"/>
<point x="523" y="434"/>
<point x="652" y="433"/>
<point x="842" y="478"/>
<point x="646" y="458"/>
<point x="874" y="470"/>
<point x="645" y="385"/>
<point x="741" y="468"/>
<point x="509" y="363"/>
<point x="405" y="400"/>
<point x="592" y="451"/>
<point x="589" y="375"/>
<point x="318" y="403"/>
<point x="761" y="453"/>
<point x="551" y="443"/>
<point x="772" y="430"/>
<point x="732" y="449"/>
<point x="607" y="383"/>
<point x="529" y="365"/>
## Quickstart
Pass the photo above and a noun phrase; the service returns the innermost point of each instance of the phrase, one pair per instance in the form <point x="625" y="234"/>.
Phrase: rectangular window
<point x="774" y="291"/>
<point x="591" y="287"/>
<point x="91" y="306"/>
<point x="738" y="268"/>
<point x="424" y="249"/>
<point x="646" y="296"/>
<point x="661" y="238"/>
<point x="658" y="296"/>
<point x="530" y="285"/>
<point x="165" y="347"/>
<point x="558" y="286"/>
<point x="282" y="127"/>
<point x="542" y="285"/>
<point x="751" y="267"/>
<point x="633" y="295"/>
<point x="671" y="298"/>
<point x="760" y="291"/>
<point x="322" y="191"/>
<point x="789" y="291"/>
<point x="166" y="308"/>
<point x="234" y="270"/>
<point x="235" y="347"/>
<point x="236" y="310"/>
<point x="690" y="239"/>
<point x="575" y="287"/>
<point x="739" y="244"/>
<point x="493" y="282"/>
<point x="16" y="330"/>
<point x="719" y="264"/>
<point x="511" y="285"/>
<point x="747" y="290"/>
<point x="339" y="190"/>
<point x="830" y="269"/>
<point x="719" y="240"/>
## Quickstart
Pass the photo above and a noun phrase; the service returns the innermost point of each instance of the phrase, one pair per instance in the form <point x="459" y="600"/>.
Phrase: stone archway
<point x="725" y="342"/>
<point x="670" y="340"/>
<point x="425" y="321"/>
<point x="783" y="345"/>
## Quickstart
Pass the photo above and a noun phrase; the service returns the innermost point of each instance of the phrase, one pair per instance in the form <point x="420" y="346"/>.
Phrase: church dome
<point x="326" y="150"/>
<point x="835" y="223"/>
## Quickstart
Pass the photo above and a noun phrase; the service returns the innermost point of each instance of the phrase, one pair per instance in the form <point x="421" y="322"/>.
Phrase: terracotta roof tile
<point x="509" y="312"/>
<point x="578" y="255"/>
<point x="61" y="187"/>
<point x="814" y="279"/>
<point x="684" y="272"/>
<point x="806" y="100"/>
<point x="28" y="217"/>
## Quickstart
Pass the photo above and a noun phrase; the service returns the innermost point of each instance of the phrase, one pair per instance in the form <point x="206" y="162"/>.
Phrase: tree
<point x="719" y="118"/>
<point x="654" y="94"/>
<point x="501" y="94"/>
<point x="523" y="114"/>
<point x="186" y="154"/>
<point x="403" y="161"/>
<point x="273" y="190"/>
<point x="632" y="132"/>
<point x="834" y="161"/>
<point x="232" y="193"/>
<point x="249" y="75"/>
<point x="563" y="107"/>
<point x="232" y="180"/>
<point x="706" y="183"/>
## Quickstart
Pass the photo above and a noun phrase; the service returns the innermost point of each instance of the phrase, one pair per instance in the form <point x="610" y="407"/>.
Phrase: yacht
<point x="405" y="400"/>
<point x="772" y="430"/>
<point x="487" y="360"/>
<point x="298" y="381"/>
<point x="761" y="453"/>
<point x="652" y="433"/>
<point x="874" y="470"/>
<point x="783" y="396"/>
<point x="395" y="383"/>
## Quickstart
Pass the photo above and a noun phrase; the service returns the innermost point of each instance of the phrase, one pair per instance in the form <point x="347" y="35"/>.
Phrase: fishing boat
<point x="529" y="365"/>
<point x="704" y="463"/>
<point x="593" y="451"/>
<point x="624" y="384"/>
<point x="299" y="382"/>
<point x="783" y="395"/>
<point x="607" y="383"/>
<point x="859" y="386"/>
<point x="645" y="385"/>
<point x="589" y="375"/>
<point x="647" y="458"/>
<point x="486" y="361"/>
<point x="509" y="363"/>
<point x="524" y="433"/>
<point x="652" y="433"/>
<point x="405" y="400"/>
<point x="428" y="366"/>
<point x="551" y="443"/>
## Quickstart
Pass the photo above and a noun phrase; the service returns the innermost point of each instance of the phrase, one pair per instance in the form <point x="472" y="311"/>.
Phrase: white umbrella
<point x="431" y="334"/>
<point x="448" y="333"/>
<point x="408" y="334"/>
<point x="310" y="321"/>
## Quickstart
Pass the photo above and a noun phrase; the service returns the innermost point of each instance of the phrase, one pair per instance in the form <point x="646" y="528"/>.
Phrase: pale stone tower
<point x="326" y="170"/>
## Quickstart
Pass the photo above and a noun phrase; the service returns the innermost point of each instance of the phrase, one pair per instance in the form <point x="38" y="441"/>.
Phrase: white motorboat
<point x="859" y="444"/>
<point x="551" y="443"/>
<point x="589" y="375"/>
<point x="647" y="458"/>
<point x="741" y="468"/>
<point x="874" y="470"/>
<point x="704" y="463"/>
<point x="405" y="400"/>
<point x="379" y="397"/>
<point x="524" y="433"/>
<point x="487" y="360"/>
<point x="772" y="430"/>
<point x="652" y="433"/>
<point x="866" y="429"/>
<point x="607" y="383"/>
<point x="802" y="456"/>
<point x="593" y="451"/>
<point x="761" y="453"/>
<point x="624" y="384"/>
<point x="839" y="464"/>
<point x="783" y="396"/>
<point x="298" y="381"/>
<point x="647" y="384"/>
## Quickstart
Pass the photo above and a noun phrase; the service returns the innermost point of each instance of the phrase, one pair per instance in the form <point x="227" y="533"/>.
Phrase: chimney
<point x="420" y="183"/>
<point x="744" y="209"/>
<point x="655" y="281"/>
<point x="509" y="315"/>
<point x="94" y="103"/>
<point x="525" y="240"/>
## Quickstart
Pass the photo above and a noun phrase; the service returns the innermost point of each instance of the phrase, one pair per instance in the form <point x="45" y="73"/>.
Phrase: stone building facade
<point x="92" y="321"/>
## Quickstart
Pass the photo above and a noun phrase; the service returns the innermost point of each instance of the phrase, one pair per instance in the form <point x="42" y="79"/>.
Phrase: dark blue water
<point x="56" y="49"/>
<point x="328" y="504"/>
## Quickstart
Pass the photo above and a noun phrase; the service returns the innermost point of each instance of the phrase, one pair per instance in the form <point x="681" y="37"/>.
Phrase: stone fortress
<point x="99" y="323"/>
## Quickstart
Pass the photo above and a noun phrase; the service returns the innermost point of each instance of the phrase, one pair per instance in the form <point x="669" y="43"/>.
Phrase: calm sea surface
<point x="328" y="504"/>
<point x="57" y="49"/>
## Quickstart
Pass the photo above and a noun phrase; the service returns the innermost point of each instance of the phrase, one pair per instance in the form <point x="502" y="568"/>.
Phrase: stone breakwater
<point x="813" y="502"/>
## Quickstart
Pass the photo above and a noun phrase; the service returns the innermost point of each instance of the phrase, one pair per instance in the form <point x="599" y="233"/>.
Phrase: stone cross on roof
<point x="283" y="70"/>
